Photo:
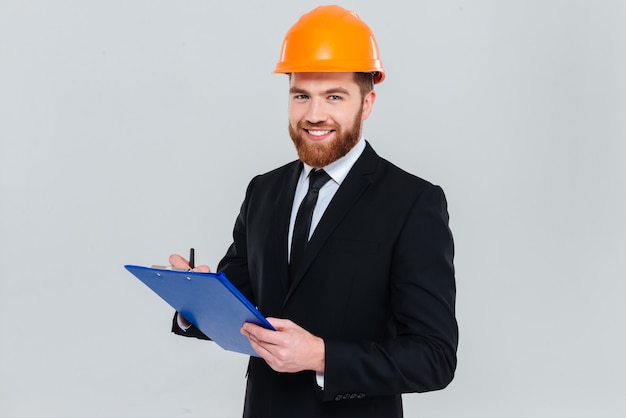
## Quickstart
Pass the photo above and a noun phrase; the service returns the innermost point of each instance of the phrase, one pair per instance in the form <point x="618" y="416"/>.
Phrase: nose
<point x="316" y="111"/>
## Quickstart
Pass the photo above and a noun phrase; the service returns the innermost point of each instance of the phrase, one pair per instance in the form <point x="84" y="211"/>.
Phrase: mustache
<point x="317" y="125"/>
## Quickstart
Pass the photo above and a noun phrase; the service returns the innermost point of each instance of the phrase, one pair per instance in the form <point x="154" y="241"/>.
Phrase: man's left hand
<point x="289" y="349"/>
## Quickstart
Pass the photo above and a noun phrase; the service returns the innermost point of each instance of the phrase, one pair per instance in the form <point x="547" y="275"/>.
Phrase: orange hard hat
<point x="330" y="39"/>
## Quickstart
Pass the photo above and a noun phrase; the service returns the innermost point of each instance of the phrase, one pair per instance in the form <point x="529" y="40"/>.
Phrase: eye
<point x="334" y="98"/>
<point x="300" y="97"/>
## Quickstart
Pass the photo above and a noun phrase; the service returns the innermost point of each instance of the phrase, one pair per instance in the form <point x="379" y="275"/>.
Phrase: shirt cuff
<point x="319" y="378"/>
<point x="182" y="322"/>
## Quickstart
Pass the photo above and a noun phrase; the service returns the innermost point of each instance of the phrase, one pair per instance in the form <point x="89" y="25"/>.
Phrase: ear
<point x="368" y="104"/>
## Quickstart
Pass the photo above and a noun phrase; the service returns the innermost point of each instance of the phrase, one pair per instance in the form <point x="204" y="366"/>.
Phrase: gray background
<point x="130" y="129"/>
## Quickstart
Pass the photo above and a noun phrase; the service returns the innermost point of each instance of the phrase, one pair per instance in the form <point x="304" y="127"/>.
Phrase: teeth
<point x="318" y="133"/>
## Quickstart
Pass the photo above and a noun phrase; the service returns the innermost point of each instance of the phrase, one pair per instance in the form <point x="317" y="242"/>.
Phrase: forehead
<point x="314" y="81"/>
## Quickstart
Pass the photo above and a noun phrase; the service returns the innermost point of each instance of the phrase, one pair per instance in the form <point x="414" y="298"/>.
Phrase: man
<point x="363" y="303"/>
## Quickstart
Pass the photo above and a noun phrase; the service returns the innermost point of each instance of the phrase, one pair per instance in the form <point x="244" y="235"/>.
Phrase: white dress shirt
<point x="337" y="170"/>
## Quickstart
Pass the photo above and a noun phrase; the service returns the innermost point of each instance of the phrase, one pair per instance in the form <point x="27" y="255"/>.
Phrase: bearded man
<point x="349" y="257"/>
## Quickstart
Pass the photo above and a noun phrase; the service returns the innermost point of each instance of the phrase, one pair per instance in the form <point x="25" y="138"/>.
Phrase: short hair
<point x="365" y="81"/>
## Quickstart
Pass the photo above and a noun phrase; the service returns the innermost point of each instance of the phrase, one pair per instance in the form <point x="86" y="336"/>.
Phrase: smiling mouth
<point x="318" y="132"/>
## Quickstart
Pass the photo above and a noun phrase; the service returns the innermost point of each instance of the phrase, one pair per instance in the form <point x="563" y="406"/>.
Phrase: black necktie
<point x="302" y="225"/>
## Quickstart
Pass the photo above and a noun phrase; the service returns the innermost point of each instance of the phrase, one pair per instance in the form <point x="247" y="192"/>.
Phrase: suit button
<point x="353" y="396"/>
<point x="360" y="396"/>
<point x="338" y="397"/>
<point x="346" y="396"/>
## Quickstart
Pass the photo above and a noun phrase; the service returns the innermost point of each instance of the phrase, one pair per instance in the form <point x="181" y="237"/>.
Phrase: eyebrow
<point x="334" y="90"/>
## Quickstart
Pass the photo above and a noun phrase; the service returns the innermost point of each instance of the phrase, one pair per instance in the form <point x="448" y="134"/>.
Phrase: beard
<point x="320" y="154"/>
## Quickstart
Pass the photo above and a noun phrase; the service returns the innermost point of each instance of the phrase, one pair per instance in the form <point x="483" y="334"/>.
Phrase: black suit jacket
<point x="377" y="284"/>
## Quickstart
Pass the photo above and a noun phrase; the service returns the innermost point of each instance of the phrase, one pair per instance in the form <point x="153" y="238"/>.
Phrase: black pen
<point x="192" y="262"/>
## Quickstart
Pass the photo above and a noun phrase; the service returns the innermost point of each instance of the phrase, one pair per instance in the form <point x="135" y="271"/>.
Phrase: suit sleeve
<point x="422" y="354"/>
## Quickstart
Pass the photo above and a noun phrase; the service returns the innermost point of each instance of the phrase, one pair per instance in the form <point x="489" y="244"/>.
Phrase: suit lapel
<point x="283" y="214"/>
<point x="356" y="182"/>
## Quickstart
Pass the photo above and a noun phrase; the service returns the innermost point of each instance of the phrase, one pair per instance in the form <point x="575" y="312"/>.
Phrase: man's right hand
<point x="180" y="262"/>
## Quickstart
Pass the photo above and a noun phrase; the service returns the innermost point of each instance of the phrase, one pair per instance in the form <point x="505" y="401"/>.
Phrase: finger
<point x="178" y="261"/>
<point x="256" y="345"/>
<point x="255" y="329"/>
<point x="262" y="335"/>
<point x="249" y="329"/>
<point x="202" y="269"/>
<point x="279" y="323"/>
<point x="260" y="349"/>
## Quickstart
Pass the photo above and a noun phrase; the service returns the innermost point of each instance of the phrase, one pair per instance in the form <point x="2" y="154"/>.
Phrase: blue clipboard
<point x="207" y="300"/>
